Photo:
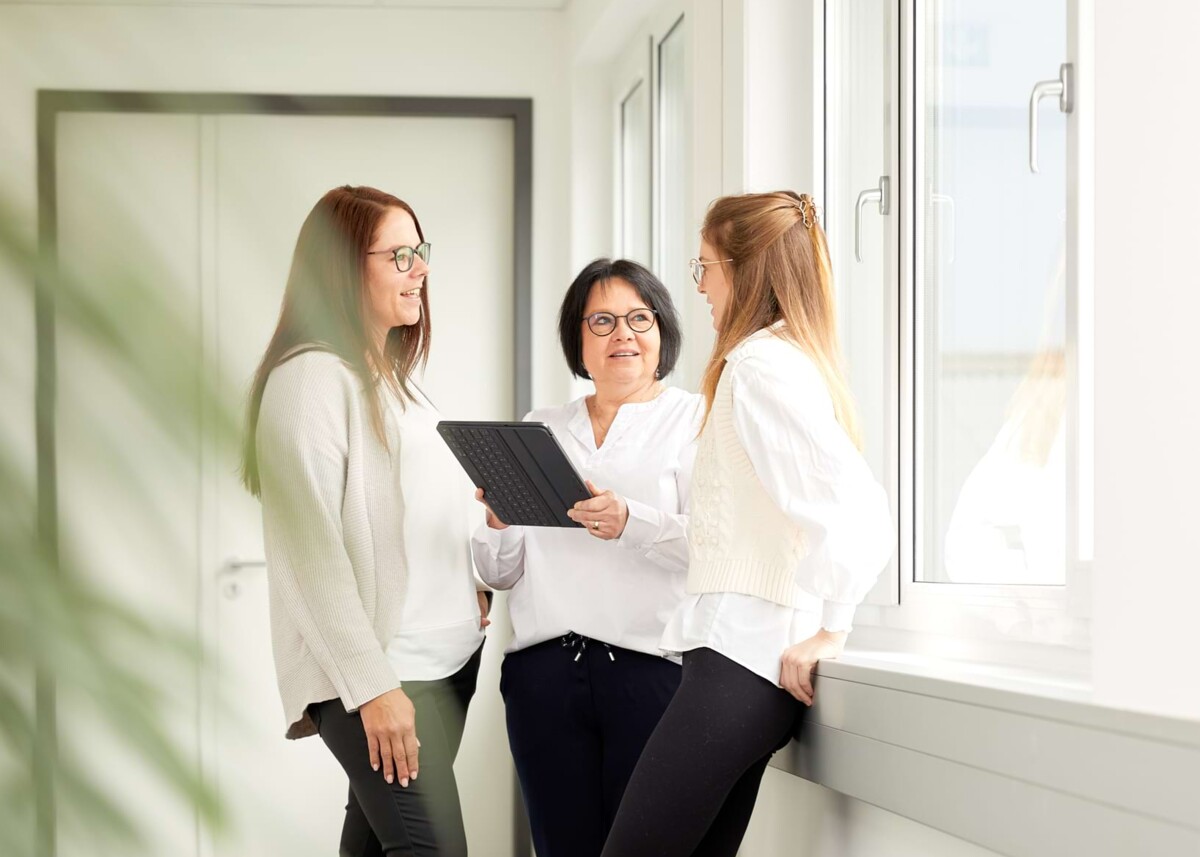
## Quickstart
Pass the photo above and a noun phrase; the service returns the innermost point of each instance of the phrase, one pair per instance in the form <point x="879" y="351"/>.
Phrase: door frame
<point x="51" y="103"/>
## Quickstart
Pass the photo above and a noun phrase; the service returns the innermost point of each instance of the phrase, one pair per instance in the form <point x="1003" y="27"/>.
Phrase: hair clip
<point x="808" y="210"/>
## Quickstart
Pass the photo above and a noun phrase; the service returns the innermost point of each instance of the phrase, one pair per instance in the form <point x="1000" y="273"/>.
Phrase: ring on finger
<point x="595" y="525"/>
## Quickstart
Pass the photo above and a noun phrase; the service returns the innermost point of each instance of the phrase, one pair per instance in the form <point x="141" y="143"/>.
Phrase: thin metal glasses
<point x="404" y="255"/>
<point x="604" y="323"/>
<point x="698" y="267"/>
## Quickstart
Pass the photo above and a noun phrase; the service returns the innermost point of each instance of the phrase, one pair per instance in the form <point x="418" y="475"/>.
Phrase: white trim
<point x="909" y="79"/>
<point x="1080" y="242"/>
<point x="1016" y="772"/>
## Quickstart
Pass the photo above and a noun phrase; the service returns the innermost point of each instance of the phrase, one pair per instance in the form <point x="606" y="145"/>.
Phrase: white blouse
<point x="620" y="591"/>
<point x="785" y="424"/>
<point x="439" y="622"/>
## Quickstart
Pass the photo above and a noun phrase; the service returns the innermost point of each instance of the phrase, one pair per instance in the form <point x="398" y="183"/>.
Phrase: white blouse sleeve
<point x="659" y="536"/>
<point x="784" y="417"/>
<point x="499" y="555"/>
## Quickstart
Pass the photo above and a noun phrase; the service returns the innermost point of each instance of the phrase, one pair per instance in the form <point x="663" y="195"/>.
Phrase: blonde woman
<point x="788" y="531"/>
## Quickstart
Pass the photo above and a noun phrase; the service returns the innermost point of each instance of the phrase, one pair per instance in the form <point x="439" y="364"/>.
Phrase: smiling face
<point x="714" y="285"/>
<point x="624" y="356"/>
<point x="394" y="298"/>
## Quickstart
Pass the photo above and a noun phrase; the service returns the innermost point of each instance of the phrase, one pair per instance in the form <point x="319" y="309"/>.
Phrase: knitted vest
<point x="738" y="539"/>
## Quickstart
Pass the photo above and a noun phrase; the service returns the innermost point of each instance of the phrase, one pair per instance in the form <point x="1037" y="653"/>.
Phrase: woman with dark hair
<point x="584" y="682"/>
<point x="789" y="530"/>
<point x="377" y="627"/>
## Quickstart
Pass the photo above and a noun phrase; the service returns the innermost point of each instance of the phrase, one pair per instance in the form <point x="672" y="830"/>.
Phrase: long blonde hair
<point x="780" y="270"/>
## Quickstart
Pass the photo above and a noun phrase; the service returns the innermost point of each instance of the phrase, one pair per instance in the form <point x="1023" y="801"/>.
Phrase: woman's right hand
<point x="492" y="521"/>
<point x="390" y="721"/>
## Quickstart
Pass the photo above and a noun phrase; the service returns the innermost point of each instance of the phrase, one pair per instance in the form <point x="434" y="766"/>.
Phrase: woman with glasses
<point x="377" y="627"/>
<point x="584" y="681"/>
<point x="789" y="530"/>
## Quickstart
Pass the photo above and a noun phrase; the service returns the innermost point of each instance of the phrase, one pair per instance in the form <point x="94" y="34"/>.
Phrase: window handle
<point x="1064" y="89"/>
<point x="880" y="195"/>
<point x="946" y="199"/>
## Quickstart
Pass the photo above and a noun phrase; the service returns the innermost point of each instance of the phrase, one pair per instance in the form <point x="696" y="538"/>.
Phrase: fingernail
<point x="375" y="767"/>
<point x="414" y="776"/>
<point x="387" y="777"/>
<point x="404" y="783"/>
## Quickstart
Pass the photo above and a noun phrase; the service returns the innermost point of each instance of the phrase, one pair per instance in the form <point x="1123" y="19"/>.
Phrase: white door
<point x="209" y="207"/>
<point x="457" y="175"/>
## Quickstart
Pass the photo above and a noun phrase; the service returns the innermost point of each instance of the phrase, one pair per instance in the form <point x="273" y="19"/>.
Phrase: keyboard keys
<point x="509" y="493"/>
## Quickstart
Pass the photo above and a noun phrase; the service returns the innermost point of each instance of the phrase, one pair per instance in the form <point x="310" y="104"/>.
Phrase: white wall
<point x="254" y="48"/>
<point x="796" y="818"/>
<point x="1147" y="568"/>
<point x="781" y="102"/>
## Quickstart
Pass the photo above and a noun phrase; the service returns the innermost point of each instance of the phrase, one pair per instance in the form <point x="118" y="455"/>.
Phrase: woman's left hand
<point x="604" y="515"/>
<point x="796" y="664"/>
<point x="484" y="621"/>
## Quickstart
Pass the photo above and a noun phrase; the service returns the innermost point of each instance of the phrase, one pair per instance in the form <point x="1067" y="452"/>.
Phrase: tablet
<point x="525" y="475"/>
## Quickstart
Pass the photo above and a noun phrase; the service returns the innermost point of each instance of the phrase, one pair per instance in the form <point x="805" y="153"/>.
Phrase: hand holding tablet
<point x="525" y="475"/>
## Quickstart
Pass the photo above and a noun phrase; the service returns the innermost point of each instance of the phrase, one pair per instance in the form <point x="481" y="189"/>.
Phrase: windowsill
<point x="1016" y="760"/>
<point x="1038" y="693"/>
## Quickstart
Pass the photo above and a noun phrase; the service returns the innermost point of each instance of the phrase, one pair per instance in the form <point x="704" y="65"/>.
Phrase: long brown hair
<point x="325" y="305"/>
<point x="780" y="270"/>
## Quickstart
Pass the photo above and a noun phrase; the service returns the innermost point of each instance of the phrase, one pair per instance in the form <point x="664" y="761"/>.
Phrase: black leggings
<point x="425" y="819"/>
<point x="694" y="788"/>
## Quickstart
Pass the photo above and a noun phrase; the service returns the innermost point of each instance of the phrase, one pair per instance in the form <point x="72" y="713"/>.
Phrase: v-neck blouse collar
<point x="580" y="424"/>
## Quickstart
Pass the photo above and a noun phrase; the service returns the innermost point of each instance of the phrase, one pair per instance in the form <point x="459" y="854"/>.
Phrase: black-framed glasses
<point x="404" y="255"/>
<point x="698" y="267"/>
<point x="604" y="323"/>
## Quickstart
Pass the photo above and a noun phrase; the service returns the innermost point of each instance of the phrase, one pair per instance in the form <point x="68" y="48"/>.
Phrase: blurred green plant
<point x="61" y="636"/>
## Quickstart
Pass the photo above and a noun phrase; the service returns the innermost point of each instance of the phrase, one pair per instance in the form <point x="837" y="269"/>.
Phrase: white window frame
<point x="631" y="70"/>
<point x="670" y="19"/>
<point x="639" y="63"/>
<point x="994" y="622"/>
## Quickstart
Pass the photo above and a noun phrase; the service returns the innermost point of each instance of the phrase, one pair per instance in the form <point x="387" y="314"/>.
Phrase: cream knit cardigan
<point x="332" y="521"/>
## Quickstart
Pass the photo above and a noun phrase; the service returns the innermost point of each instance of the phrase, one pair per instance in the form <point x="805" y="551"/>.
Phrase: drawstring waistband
<point x="571" y="640"/>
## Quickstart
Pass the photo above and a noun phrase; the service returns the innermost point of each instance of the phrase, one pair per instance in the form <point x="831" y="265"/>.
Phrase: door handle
<point x="231" y="570"/>
<point x="880" y="195"/>
<point x="1064" y="89"/>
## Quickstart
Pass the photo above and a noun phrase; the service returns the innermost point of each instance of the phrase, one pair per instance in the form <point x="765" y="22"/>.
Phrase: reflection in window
<point x="991" y="298"/>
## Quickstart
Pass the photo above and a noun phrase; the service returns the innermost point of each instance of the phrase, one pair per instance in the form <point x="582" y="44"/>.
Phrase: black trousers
<point x="579" y="713"/>
<point x="425" y="819"/>
<point x="694" y="788"/>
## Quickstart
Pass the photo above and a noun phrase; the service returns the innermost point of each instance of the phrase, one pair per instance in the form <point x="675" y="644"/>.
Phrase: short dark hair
<point x="649" y="288"/>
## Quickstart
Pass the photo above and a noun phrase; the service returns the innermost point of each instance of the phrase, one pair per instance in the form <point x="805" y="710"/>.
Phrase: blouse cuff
<point x="837" y="616"/>
<point x="641" y="529"/>
<point x="498" y="541"/>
